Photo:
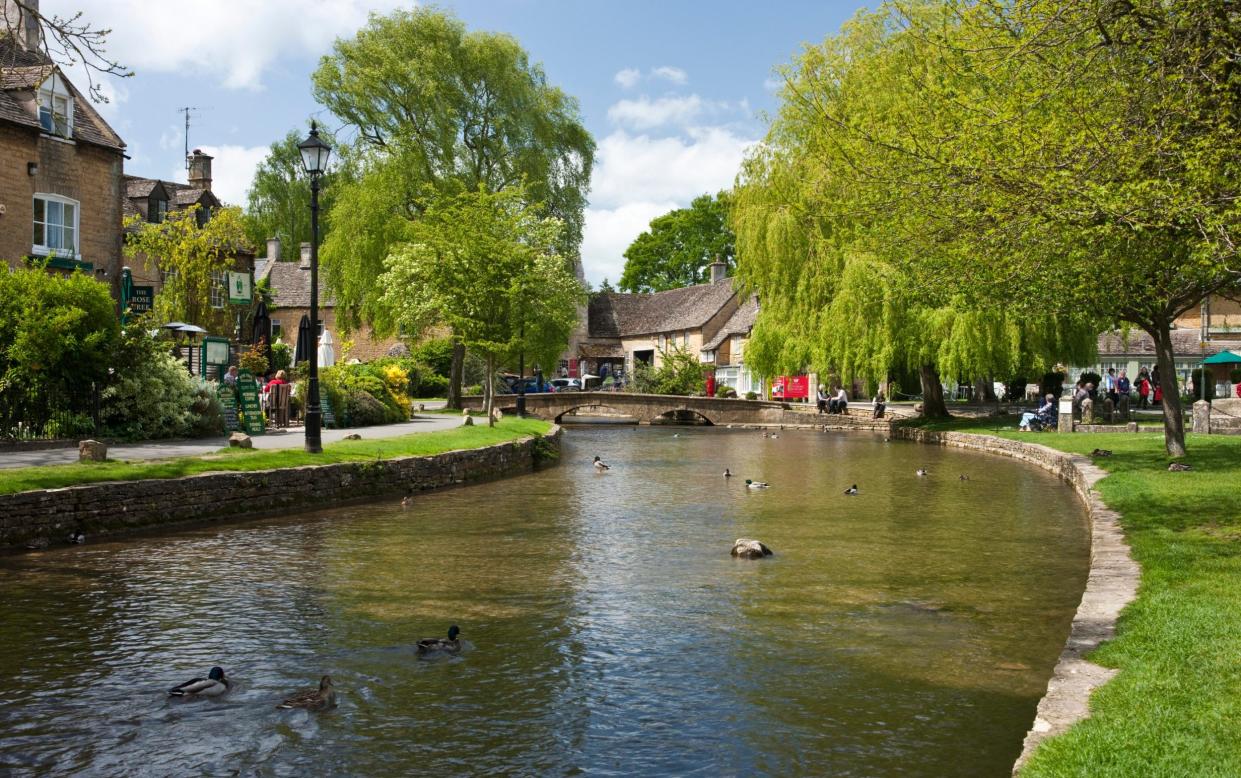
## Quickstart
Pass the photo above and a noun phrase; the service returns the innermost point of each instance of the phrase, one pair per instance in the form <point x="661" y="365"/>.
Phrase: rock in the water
<point x="92" y="451"/>
<point x="468" y="421"/>
<point x="353" y="436"/>
<point x="747" y="548"/>
<point x="240" y="440"/>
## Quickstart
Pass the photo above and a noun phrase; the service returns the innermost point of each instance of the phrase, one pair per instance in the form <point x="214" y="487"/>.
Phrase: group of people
<point x="1146" y="387"/>
<point x="839" y="402"/>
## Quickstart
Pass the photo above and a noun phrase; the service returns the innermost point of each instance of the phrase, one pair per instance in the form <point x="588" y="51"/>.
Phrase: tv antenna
<point x="188" y="111"/>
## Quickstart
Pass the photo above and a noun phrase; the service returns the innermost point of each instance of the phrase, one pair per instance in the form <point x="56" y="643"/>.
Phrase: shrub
<point x="1235" y="376"/>
<point x="680" y="372"/>
<point x="1051" y="383"/>
<point x="364" y="410"/>
<point x="150" y="398"/>
<point x="254" y="359"/>
<point x="473" y="389"/>
<point x="281" y="356"/>
<point x="432" y="385"/>
<point x="1091" y="378"/>
<point x="207" y="417"/>
<point x="751" y="396"/>
<point x="435" y="354"/>
<point x="1196" y="376"/>
<point x="726" y="392"/>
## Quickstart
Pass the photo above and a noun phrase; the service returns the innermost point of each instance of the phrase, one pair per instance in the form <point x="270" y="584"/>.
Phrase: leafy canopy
<point x="677" y="249"/>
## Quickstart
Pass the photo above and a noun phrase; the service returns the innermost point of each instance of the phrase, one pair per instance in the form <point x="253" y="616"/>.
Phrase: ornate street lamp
<point x="315" y="154"/>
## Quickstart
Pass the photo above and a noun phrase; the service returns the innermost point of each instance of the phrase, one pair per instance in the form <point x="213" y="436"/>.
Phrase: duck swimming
<point x="922" y="472"/>
<point x="757" y="484"/>
<point x="407" y="501"/>
<point x="322" y="698"/>
<point x="728" y="473"/>
<point x="213" y="685"/>
<point x="600" y="465"/>
<point x="77" y="537"/>
<point x="851" y="489"/>
<point x="440" y="646"/>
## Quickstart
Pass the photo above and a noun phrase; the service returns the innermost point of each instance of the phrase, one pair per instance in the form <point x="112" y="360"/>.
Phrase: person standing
<point x="1109" y="386"/>
<point x="1144" y="388"/>
<point x="1122" y="384"/>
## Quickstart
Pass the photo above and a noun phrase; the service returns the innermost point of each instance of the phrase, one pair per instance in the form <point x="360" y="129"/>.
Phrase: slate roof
<point x="618" y="315"/>
<point x="22" y="71"/>
<point x="291" y="284"/>
<point x="740" y="323"/>
<point x="1185" y="343"/>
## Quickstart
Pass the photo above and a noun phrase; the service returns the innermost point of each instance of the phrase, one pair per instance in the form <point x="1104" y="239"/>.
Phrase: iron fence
<point x="49" y="413"/>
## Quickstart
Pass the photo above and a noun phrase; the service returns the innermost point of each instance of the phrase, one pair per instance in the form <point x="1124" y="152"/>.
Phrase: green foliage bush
<point x="281" y="356"/>
<point x="751" y="395"/>
<point x="152" y="396"/>
<point x="365" y="411"/>
<point x="435" y="354"/>
<point x="432" y="385"/>
<point x="1235" y="376"/>
<point x="680" y="372"/>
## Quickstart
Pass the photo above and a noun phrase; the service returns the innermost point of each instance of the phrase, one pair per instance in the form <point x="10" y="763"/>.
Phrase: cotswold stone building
<point x="60" y="164"/>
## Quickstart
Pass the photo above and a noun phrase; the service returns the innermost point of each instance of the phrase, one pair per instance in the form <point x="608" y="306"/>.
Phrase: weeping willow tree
<point x="850" y="280"/>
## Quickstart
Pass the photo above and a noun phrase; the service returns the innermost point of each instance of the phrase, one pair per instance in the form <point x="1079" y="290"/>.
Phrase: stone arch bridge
<point x="645" y="408"/>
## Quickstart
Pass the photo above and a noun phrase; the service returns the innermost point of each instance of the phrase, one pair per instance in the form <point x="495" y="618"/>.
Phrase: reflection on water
<point x="907" y="630"/>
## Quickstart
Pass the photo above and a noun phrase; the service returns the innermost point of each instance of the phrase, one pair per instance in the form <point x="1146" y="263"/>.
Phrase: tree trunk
<point x="933" y="406"/>
<point x="1173" y="419"/>
<point x="489" y="390"/>
<point x="455" y="374"/>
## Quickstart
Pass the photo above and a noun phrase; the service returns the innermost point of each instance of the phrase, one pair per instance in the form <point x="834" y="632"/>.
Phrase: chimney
<point x="200" y="169"/>
<point x="719" y="271"/>
<point x="23" y="26"/>
<point x="273" y="249"/>
<point x="305" y="263"/>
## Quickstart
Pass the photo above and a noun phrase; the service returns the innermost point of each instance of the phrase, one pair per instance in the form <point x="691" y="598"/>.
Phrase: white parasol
<point x="327" y="354"/>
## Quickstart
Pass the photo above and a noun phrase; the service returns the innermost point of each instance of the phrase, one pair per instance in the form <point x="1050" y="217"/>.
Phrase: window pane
<point x="45" y="119"/>
<point x="38" y="210"/>
<point x="53" y="237"/>
<point x="38" y="235"/>
<point x="71" y="240"/>
<point x="70" y="214"/>
<point x="55" y="212"/>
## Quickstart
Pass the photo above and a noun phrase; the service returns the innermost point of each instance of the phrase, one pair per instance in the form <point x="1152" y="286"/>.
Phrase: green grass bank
<point x="1174" y="708"/>
<point x="245" y="460"/>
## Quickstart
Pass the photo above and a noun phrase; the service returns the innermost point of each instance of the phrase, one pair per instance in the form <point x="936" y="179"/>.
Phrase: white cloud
<point x="645" y="113"/>
<point x="232" y="42"/>
<point x="637" y="178"/>
<point x="668" y="73"/>
<point x="628" y="78"/>
<point x="232" y="170"/>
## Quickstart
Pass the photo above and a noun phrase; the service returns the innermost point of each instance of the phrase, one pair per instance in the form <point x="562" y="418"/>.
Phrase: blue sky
<point x="673" y="91"/>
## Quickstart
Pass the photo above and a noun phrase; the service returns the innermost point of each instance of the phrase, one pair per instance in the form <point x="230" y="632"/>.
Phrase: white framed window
<point x="219" y="289"/>
<point x="276" y="329"/>
<point x="55" y="226"/>
<point x="56" y="108"/>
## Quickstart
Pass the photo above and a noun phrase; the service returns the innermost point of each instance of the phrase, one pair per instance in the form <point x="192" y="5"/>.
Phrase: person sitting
<point x="880" y="405"/>
<point x="839" y="403"/>
<point x="281" y="378"/>
<point x="1045" y="416"/>
<point x="230" y="377"/>
<point x="822" y="396"/>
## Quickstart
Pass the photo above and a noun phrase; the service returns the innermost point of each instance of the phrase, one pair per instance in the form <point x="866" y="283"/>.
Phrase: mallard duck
<point x="213" y="685"/>
<point x="436" y="646"/>
<point x="728" y="473"/>
<point x="757" y="484"/>
<point x="851" y="489"/>
<point x="774" y="436"/>
<point x="600" y="465"/>
<point x="407" y="501"/>
<point x="1101" y="452"/>
<point x="1179" y="467"/>
<point x="77" y="537"/>
<point x="323" y="698"/>
<point x="964" y="477"/>
<point x="921" y="472"/>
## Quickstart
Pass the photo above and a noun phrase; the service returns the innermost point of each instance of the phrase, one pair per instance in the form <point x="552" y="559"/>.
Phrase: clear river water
<point x="908" y="630"/>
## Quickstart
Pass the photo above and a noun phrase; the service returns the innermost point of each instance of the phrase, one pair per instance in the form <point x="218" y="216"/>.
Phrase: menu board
<point x="228" y="406"/>
<point x="325" y="405"/>
<point x="251" y="410"/>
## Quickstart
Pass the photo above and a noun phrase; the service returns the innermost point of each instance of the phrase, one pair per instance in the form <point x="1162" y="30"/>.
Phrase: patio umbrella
<point x="190" y="329"/>
<point x="302" y="353"/>
<point x="1223" y="358"/>
<point x="262" y="329"/>
<point x="173" y="325"/>
<point x="327" y="354"/>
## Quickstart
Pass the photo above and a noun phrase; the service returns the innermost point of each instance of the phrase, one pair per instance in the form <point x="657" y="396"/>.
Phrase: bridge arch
<point x="560" y="410"/>
<point x="704" y="415"/>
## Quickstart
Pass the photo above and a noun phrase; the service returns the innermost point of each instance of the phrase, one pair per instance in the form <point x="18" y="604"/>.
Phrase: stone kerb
<point x="1111" y="585"/>
<point x="118" y="507"/>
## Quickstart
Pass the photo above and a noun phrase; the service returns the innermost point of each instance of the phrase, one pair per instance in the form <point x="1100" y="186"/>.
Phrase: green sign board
<point x="325" y="406"/>
<point x="213" y="360"/>
<point x="239" y="287"/>
<point x="228" y="405"/>
<point x="248" y="397"/>
<point x="141" y="299"/>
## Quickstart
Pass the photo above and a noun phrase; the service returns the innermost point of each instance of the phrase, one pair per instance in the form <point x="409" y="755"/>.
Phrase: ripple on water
<point x="909" y="629"/>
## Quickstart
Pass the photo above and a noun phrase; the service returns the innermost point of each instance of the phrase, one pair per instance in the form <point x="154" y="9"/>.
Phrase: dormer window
<point x="56" y="108"/>
<point x="157" y="210"/>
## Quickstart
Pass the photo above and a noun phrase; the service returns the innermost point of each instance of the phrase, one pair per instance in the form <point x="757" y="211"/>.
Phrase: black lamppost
<point x="315" y="154"/>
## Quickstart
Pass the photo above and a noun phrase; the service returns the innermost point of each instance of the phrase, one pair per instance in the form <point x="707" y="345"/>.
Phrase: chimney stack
<point x="305" y="263"/>
<point x="200" y="170"/>
<point x="719" y="271"/>
<point x="24" y="26"/>
<point x="273" y="249"/>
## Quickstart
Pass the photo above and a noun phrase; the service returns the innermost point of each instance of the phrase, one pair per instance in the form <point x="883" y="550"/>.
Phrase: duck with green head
<point x="213" y="685"/>
<point x="429" y="647"/>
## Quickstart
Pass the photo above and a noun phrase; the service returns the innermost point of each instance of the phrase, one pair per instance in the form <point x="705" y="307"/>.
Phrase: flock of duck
<point x="216" y="683"/>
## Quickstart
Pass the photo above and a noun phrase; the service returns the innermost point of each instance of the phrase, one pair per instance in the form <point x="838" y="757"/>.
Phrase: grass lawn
<point x="236" y="459"/>
<point x="1175" y="707"/>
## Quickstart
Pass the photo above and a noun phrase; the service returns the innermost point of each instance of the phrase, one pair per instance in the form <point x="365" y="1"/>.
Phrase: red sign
<point x="792" y="387"/>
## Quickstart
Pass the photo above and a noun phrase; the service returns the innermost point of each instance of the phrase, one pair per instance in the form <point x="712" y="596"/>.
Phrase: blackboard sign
<point x="251" y="411"/>
<point x="141" y="299"/>
<point x="325" y="405"/>
<point x="228" y="405"/>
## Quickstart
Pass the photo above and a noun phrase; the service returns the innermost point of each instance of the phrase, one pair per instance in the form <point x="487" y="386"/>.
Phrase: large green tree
<point x="680" y="244"/>
<point x="440" y="111"/>
<point x="1048" y="157"/>
<point x="278" y="201"/>
<point x="486" y="265"/>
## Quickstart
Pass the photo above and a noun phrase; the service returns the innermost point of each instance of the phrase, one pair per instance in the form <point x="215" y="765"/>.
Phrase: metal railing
<point x="58" y="413"/>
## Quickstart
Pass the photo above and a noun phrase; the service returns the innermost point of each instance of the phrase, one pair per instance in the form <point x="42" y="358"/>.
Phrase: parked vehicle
<point x="565" y="384"/>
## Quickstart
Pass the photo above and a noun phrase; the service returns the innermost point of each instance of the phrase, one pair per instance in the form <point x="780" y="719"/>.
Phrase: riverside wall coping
<point x="1112" y="582"/>
<point x="115" y="508"/>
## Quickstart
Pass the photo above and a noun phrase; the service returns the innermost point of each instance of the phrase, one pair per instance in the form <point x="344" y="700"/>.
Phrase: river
<point x="907" y="630"/>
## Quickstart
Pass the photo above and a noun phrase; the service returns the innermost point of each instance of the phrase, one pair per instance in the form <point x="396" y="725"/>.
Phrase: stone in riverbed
<point x="747" y="548"/>
<point x="92" y="451"/>
<point x="240" y="440"/>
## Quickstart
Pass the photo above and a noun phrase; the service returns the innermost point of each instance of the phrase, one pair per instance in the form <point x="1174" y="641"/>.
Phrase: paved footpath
<point x="280" y="439"/>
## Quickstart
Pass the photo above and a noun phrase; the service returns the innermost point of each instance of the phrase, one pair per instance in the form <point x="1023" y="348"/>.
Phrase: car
<point x="565" y="384"/>
<point x="530" y="385"/>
